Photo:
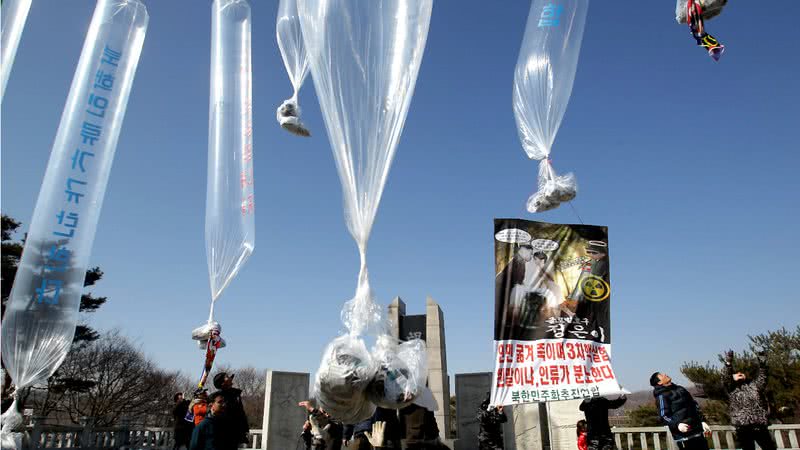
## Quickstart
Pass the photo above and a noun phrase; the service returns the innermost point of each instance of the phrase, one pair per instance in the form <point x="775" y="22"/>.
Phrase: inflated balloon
<point x="295" y="58"/>
<point x="230" y="203"/>
<point x="13" y="15"/>
<point x="42" y="311"/>
<point x="364" y="57"/>
<point x="543" y="82"/>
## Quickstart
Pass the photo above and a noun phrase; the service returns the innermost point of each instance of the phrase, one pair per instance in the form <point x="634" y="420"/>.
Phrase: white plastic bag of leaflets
<point x="543" y="82"/>
<point x="364" y="58"/>
<point x="295" y="59"/>
<point x="42" y="311"/>
<point x="402" y="372"/>
<point x="711" y="9"/>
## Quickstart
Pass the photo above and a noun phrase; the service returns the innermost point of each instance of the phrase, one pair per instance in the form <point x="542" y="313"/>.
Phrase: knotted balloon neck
<point x="362" y="290"/>
<point x="546" y="169"/>
<point x="211" y="311"/>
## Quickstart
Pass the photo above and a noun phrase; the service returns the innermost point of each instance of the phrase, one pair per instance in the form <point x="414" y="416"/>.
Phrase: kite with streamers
<point x="230" y="206"/>
<point x="295" y="58"/>
<point x="364" y="57"/>
<point x="42" y="310"/>
<point x="543" y="82"/>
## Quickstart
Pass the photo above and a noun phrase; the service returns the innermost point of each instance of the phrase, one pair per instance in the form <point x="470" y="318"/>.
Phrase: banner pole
<point x="544" y="425"/>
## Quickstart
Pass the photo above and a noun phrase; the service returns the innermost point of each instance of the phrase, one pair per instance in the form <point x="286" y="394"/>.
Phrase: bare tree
<point x="124" y="384"/>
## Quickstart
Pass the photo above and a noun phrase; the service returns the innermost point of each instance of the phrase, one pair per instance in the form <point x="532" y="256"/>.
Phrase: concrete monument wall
<point x="283" y="419"/>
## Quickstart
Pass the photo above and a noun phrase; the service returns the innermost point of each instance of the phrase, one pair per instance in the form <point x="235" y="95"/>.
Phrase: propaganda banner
<point x="552" y="333"/>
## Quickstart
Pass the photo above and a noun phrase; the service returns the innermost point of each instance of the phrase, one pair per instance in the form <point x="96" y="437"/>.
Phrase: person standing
<point x="490" y="420"/>
<point x="212" y="433"/>
<point x="680" y="411"/>
<point x="598" y="430"/>
<point x="235" y="417"/>
<point x="747" y="404"/>
<point x="183" y="428"/>
<point x="581" y="431"/>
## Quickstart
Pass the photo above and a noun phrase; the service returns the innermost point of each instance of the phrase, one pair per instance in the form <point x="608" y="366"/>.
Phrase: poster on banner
<point x="552" y="333"/>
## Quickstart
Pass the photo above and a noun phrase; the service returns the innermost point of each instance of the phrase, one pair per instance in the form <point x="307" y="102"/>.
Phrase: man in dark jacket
<point x="490" y="420"/>
<point x="235" y="417"/>
<point x="598" y="433"/>
<point x="183" y="428"/>
<point x="212" y="433"/>
<point x="680" y="411"/>
<point x="419" y="428"/>
<point x="747" y="405"/>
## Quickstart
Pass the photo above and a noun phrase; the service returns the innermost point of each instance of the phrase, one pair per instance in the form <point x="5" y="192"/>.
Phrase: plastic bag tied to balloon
<point x="295" y="58"/>
<point x="42" y="310"/>
<point x="543" y="81"/>
<point x="364" y="58"/>
<point x="402" y="372"/>
<point x="230" y="201"/>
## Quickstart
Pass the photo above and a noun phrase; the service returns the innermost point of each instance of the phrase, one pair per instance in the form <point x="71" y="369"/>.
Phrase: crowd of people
<point x="218" y="421"/>
<point x="211" y="422"/>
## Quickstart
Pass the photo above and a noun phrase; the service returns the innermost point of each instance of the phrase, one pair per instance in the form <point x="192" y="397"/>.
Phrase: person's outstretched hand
<point x="307" y="405"/>
<point x="706" y="429"/>
<point x="376" y="437"/>
<point x="729" y="357"/>
<point x="683" y="428"/>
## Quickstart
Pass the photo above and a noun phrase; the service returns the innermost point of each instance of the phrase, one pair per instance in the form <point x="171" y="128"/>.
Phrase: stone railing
<point x="46" y="437"/>
<point x="722" y="437"/>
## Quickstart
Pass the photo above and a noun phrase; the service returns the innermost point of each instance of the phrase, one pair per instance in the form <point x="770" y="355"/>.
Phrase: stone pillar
<point x="471" y="389"/>
<point x="437" y="365"/>
<point x="283" y="419"/>
<point x="397" y="309"/>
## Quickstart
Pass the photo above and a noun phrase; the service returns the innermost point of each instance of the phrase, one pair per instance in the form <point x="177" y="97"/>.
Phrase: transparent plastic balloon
<point x="42" y="311"/>
<point x="295" y="58"/>
<point x="711" y="9"/>
<point x="543" y="82"/>
<point x="13" y="14"/>
<point x="364" y="57"/>
<point x="230" y="205"/>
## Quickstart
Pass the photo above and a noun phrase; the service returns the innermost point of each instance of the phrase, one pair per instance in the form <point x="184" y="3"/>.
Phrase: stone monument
<point x="283" y="419"/>
<point x="430" y="328"/>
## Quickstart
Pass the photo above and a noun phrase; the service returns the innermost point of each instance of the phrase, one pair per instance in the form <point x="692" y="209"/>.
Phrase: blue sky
<point x="691" y="164"/>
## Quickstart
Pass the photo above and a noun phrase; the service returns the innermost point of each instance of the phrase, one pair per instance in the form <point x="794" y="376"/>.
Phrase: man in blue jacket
<point x="680" y="411"/>
<point x="213" y="432"/>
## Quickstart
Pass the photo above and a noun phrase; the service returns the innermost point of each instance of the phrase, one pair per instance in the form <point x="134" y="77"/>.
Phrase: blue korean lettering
<point x="73" y="194"/>
<point x="46" y="287"/>
<point x="90" y="132"/>
<point x="110" y="57"/>
<point x="77" y="159"/>
<point x="69" y="221"/>
<point x="99" y="103"/>
<point x="550" y="15"/>
<point x="103" y="80"/>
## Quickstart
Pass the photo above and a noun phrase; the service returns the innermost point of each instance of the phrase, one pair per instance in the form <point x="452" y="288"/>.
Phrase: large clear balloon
<point x="42" y="311"/>
<point x="543" y="82"/>
<point x="230" y="202"/>
<point x="13" y="15"/>
<point x="365" y="57"/>
<point x="295" y="58"/>
<point x="230" y="207"/>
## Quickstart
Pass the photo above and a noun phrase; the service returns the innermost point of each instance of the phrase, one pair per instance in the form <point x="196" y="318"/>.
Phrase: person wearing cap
<point x="598" y="430"/>
<point x="235" y="417"/>
<point x="680" y="411"/>
<point x="183" y="429"/>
